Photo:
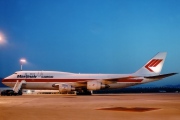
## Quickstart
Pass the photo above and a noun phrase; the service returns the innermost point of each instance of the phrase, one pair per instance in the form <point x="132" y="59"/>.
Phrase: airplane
<point x="84" y="84"/>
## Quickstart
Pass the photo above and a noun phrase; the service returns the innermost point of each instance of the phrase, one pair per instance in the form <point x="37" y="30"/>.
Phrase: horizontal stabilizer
<point x="160" y="76"/>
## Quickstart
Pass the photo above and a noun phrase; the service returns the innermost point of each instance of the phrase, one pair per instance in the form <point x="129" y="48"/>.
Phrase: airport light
<point x="22" y="61"/>
<point x="29" y="92"/>
<point x="2" y="39"/>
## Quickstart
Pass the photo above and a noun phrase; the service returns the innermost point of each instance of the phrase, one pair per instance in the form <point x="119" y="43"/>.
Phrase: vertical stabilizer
<point x="153" y="66"/>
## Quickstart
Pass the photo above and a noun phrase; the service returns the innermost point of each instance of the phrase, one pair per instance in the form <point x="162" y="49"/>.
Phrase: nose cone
<point x="6" y="82"/>
<point x="3" y="81"/>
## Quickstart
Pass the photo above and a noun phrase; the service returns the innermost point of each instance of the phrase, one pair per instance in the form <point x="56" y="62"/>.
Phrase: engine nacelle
<point x="95" y="85"/>
<point x="65" y="88"/>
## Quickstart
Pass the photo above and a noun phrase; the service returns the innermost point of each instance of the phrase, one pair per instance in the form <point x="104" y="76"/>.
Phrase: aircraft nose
<point x="3" y="80"/>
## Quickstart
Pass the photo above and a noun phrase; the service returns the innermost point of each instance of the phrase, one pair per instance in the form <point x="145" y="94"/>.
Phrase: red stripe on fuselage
<point x="46" y="80"/>
<point x="66" y="80"/>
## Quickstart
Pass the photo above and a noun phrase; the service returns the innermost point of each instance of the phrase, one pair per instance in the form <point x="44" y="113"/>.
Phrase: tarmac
<point x="160" y="106"/>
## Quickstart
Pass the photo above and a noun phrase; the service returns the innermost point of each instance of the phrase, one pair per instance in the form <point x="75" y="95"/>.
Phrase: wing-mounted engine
<point x="96" y="85"/>
<point x="64" y="88"/>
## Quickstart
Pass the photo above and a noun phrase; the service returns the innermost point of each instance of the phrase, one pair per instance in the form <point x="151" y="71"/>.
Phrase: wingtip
<point x="175" y="73"/>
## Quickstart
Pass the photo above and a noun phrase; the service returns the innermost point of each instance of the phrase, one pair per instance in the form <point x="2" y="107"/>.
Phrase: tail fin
<point x="154" y="66"/>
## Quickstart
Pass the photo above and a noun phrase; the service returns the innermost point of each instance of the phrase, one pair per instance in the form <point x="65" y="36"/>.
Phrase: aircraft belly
<point x="40" y="85"/>
<point x="9" y="84"/>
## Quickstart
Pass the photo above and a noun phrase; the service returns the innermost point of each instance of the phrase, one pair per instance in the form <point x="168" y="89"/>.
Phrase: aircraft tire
<point x="84" y="93"/>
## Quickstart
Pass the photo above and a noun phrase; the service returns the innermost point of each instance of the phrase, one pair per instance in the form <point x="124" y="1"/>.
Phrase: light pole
<point x="22" y="61"/>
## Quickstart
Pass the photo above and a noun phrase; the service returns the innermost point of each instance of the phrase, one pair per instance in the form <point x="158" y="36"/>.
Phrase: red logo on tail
<point x="153" y="63"/>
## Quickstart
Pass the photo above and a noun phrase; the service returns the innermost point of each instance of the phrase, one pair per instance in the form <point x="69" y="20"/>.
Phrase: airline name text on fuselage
<point x="33" y="76"/>
<point x="46" y="76"/>
<point x="26" y="76"/>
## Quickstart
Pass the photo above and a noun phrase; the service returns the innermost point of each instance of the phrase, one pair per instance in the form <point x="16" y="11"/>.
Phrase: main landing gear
<point x="83" y="92"/>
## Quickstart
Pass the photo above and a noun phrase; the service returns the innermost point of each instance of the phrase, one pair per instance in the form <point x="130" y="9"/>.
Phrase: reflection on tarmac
<point x="135" y="109"/>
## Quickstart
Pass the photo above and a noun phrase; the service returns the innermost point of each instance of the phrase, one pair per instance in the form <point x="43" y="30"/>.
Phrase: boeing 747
<point x="84" y="83"/>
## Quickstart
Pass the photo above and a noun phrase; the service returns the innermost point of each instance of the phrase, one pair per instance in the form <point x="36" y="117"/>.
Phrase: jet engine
<point x="65" y="88"/>
<point x="96" y="85"/>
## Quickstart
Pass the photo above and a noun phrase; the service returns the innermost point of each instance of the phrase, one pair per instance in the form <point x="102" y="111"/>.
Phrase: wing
<point x="111" y="80"/>
<point x="133" y="79"/>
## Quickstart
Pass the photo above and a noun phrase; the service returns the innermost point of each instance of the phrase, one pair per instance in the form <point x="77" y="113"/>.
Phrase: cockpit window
<point x="15" y="73"/>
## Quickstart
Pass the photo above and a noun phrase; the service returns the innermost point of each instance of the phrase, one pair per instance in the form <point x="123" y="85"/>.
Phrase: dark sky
<point x="89" y="36"/>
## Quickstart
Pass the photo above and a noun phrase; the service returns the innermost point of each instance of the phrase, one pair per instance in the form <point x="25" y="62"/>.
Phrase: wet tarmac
<point x="96" y="107"/>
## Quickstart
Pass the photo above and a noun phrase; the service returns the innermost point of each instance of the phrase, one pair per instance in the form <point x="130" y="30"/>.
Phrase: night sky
<point x="89" y="36"/>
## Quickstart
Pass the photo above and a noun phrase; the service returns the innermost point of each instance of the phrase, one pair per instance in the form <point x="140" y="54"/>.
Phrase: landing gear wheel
<point x="84" y="93"/>
<point x="20" y="92"/>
